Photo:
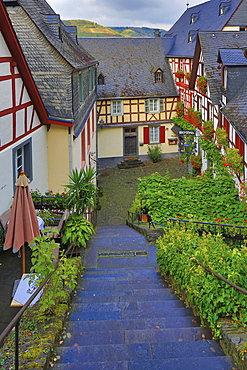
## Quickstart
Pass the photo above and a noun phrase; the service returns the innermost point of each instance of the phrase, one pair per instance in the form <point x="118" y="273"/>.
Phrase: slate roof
<point x="232" y="57"/>
<point x="236" y="111"/>
<point x="206" y="18"/>
<point x="54" y="30"/>
<point x="211" y="43"/>
<point x="128" y="66"/>
<point x="51" y="53"/>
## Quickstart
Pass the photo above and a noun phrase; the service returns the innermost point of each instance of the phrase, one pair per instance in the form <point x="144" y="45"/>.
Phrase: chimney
<point x="157" y="33"/>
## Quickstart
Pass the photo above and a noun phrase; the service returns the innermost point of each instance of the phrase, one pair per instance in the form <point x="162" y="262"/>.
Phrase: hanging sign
<point x="187" y="132"/>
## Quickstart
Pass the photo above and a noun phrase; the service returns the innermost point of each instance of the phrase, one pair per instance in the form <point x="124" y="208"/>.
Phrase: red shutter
<point x="162" y="134"/>
<point x="146" y="135"/>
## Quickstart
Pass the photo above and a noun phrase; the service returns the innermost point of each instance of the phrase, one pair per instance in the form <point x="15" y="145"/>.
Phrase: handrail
<point x="198" y="262"/>
<point x="206" y="223"/>
<point x="15" y="321"/>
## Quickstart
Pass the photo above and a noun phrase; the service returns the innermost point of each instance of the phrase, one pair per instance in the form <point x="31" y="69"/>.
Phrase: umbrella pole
<point x="23" y="260"/>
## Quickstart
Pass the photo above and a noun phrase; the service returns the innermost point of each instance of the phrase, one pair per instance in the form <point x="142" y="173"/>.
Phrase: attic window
<point x="101" y="79"/>
<point x="158" y="75"/>
<point x="191" y="36"/>
<point x="193" y="18"/>
<point x="223" y="8"/>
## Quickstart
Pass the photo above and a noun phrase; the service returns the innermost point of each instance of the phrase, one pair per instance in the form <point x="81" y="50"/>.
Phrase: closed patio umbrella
<point x="23" y="224"/>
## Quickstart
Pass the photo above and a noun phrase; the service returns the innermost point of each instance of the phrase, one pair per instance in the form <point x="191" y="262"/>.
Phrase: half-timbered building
<point x="23" y="118"/>
<point x="64" y="76"/>
<point x="137" y="97"/>
<point x="214" y="15"/>
<point x="222" y="57"/>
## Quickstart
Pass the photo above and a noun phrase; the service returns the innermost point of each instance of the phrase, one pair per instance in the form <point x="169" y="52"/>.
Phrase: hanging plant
<point x="221" y="137"/>
<point x="196" y="161"/>
<point x="179" y="74"/>
<point x="202" y="84"/>
<point x="208" y="130"/>
<point x="187" y="76"/>
<point x="234" y="161"/>
<point x="194" y="117"/>
<point x="180" y="109"/>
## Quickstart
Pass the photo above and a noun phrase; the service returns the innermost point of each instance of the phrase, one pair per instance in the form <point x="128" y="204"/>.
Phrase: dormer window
<point x="158" y="75"/>
<point x="101" y="79"/>
<point x="191" y="36"/>
<point x="223" y="8"/>
<point x="193" y="18"/>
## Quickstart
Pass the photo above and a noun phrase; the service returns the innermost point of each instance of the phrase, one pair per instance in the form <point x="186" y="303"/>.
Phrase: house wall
<point x="19" y="123"/>
<point x="111" y="155"/>
<point x="39" y="166"/>
<point x="58" y="158"/>
<point x="84" y="146"/>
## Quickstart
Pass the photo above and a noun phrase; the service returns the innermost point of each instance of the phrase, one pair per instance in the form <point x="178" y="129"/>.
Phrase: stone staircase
<point x="130" y="163"/>
<point x="124" y="315"/>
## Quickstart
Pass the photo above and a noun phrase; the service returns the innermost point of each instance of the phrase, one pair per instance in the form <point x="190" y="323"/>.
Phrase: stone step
<point x="141" y="352"/>
<point x="134" y="324"/>
<point x="145" y="273"/>
<point x="126" y="315"/>
<point x="210" y="363"/>
<point x="128" y="298"/>
<point x="122" y="285"/>
<point x="123" y="293"/>
<point x="74" y="336"/>
<point x="126" y="306"/>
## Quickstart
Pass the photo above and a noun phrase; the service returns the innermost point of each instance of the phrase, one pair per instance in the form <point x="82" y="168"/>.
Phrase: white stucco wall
<point x="39" y="161"/>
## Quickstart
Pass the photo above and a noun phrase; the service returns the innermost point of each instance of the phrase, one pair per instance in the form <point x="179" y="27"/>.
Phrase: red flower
<point x="217" y="219"/>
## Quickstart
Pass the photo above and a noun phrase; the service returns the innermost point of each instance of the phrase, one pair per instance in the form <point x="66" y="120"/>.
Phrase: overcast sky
<point x="137" y="13"/>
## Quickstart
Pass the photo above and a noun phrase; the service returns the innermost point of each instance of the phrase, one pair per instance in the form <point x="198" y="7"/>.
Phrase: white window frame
<point x="22" y="159"/>
<point x="154" y="134"/>
<point x="154" y="105"/>
<point x="117" y="108"/>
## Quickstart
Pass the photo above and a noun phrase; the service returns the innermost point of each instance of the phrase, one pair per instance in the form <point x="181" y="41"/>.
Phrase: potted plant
<point x="179" y="74"/>
<point x="202" y="84"/>
<point x="81" y="190"/>
<point x="187" y="76"/>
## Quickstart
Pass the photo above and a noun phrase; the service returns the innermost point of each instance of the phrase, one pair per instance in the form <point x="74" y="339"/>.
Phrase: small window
<point x="154" y="134"/>
<point x="158" y="76"/>
<point x="193" y="18"/>
<point x="191" y="36"/>
<point x="101" y="79"/>
<point x="154" y="105"/>
<point x="116" y="107"/>
<point x="81" y="90"/>
<point x="91" y="78"/>
<point x="22" y="160"/>
<point x="242" y="28"/>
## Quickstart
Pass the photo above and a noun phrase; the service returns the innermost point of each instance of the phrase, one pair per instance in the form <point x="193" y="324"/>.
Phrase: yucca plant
<point x="81" y="190"/>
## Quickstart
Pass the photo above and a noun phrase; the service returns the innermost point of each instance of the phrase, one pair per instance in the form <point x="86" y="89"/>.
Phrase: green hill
<point x="92" y="29"/>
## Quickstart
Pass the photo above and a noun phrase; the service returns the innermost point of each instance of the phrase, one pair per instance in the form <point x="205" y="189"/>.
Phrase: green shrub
<point x="177" y="253"/>
<point x="155" y="153"/>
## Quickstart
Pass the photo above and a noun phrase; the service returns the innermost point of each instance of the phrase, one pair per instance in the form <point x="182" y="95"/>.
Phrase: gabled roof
<point x="232" y="57"/>
<point x="128" y="66"/>
<point x="209" y="44"/>
<point x="15" y="50"/>
<point x="52" y="53"/>
<point x="56" y="32"/>
<point x="202" y="17"/>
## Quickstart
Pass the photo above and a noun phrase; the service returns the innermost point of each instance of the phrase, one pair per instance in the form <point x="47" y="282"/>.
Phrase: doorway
<point x="130" y="142"/>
